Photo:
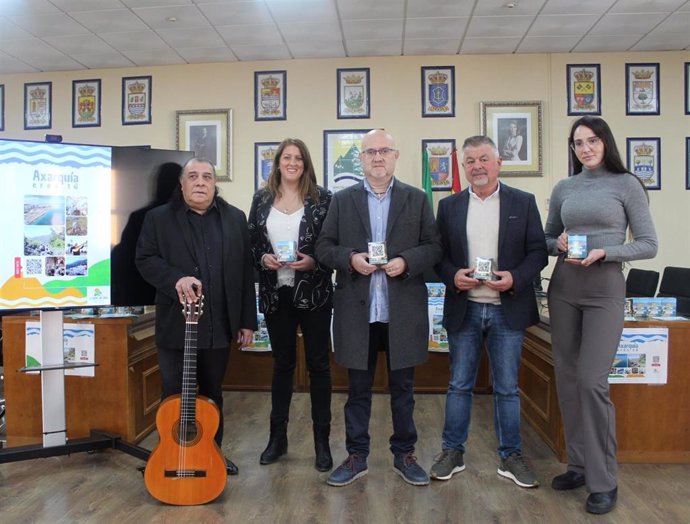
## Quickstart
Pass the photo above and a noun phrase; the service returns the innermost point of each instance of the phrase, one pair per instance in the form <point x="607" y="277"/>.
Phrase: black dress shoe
<point x="231" y="467"/>
<point x="600" y="503"/>
<point x="568" y="480"/>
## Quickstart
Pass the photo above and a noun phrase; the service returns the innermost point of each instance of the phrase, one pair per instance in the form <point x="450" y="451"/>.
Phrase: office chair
<point x="675" y="282"/>
<point x="641" y="283"/>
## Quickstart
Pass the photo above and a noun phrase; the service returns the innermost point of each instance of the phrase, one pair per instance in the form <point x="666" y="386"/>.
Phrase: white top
<point x="281" y="226"/>
<point x="482" y="239"/>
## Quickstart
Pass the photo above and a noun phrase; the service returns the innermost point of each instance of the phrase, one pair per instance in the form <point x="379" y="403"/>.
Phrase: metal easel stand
<point x="55" y="441"/>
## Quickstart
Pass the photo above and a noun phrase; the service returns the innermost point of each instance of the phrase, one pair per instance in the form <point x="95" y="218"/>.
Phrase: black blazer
<point x="165" y="253"/>
<point x="313" y="290"/>
<point x="521" y="250"/>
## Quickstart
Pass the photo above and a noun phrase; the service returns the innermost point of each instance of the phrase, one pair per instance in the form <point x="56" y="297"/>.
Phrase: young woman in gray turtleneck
<point x="587" y="297"/>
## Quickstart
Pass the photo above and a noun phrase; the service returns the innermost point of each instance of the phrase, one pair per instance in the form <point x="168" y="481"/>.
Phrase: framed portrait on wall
<point x="353" y="93"/>
<point x="208" y="132"/>
<point x="516" y="128"/>
<point x="342" y="166"/>
<point x="644" y="160"/>
<point x="584" y="89"/>
<point x="2" y="107"/>
<point x="642" y="89"/>
<point x="438" y="91"/>
<point x="136" y="100"/>
<point x="86" y="103"/>
<point x="270" y="95"/>
<point x="439" y="152"/>
<point x="264" y="156"/>
<point x="38" y="105"/>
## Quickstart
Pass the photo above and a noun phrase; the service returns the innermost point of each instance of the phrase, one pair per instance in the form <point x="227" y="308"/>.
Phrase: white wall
<point x="395" y="105"/>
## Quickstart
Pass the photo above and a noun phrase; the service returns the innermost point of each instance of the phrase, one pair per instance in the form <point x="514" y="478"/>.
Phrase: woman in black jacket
<point x="294" y="290"/>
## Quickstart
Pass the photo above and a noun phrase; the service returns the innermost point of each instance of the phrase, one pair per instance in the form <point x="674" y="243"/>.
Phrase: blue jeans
<point x="484" y="323"/>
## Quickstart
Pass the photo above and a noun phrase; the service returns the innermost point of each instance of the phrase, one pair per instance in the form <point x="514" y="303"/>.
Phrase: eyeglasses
<point x="591" y="142"/>
<point x="384" y="151"/>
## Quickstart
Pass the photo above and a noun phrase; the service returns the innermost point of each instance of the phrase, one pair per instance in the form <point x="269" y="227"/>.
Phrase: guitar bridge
<point x="185" y="473"/>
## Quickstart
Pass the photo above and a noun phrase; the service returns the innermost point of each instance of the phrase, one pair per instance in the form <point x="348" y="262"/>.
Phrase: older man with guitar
<point x="199" y="244"/>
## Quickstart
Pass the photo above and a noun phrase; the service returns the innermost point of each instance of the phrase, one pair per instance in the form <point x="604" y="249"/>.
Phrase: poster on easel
<point x="55" y="205"/>
<point x="642" y="357"/>
<point x="78" y="347"/>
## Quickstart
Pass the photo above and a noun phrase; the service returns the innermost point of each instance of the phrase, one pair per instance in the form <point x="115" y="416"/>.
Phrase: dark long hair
<point x="612" y="158"/>
<point x="307" y="182"/>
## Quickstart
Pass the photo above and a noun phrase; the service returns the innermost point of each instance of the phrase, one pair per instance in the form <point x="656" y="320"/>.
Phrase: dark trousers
<point x="282" y="330"/>
<point x="210" y="370"/>
<point x="358" y="405"/>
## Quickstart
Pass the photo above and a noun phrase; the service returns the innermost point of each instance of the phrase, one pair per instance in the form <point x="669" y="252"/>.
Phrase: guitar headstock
<point x="193" y="310"/>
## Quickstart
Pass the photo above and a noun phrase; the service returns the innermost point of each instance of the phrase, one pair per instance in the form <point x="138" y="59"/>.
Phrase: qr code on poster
<point x="34" y="266"/>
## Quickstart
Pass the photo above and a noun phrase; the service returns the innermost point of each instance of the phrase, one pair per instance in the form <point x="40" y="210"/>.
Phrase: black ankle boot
<point x="324" y="461"/>
<point x="277" y="444"/>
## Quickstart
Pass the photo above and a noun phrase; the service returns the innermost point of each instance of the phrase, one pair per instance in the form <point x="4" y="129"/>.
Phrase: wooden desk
<point x="652" y="421"/>
<point x="253" y="371"/>
<point x="122" y="398"/>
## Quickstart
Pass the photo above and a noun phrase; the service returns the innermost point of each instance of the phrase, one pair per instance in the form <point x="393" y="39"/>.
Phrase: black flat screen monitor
<point x="143" y="178"/>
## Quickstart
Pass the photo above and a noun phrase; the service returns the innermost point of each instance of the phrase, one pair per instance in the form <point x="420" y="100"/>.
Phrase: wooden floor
<point x="106" y="487"/>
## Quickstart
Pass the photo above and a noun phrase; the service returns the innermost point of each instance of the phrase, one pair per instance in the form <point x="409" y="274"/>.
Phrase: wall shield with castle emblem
<point x="642" y="89"/>
<point x="438" y="91"/>
<point x="136" y="100"/>
<point x="86" y="103"/>
<point x="270" y="92"/>
<point x="38" y="105"/>
<point x="439" y="153"/>
<point x="644" y="160"/>
<point x="264" y="156"/>
<point x="584" y="89"/>
<point x="353" y="93"/>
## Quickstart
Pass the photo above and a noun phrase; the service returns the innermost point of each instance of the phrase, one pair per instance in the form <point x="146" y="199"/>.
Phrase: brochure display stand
<point x="55" y="441"/>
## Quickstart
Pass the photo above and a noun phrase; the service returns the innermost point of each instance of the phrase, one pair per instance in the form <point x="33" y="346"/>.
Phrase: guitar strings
<point x="188" y="398"/>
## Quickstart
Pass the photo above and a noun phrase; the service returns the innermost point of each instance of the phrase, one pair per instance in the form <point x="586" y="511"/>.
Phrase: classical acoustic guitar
<point x="187" y="466"/>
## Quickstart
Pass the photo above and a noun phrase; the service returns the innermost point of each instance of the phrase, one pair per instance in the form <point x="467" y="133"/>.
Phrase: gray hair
<point x="479" y="140"/>
<point x="201" y="161"/>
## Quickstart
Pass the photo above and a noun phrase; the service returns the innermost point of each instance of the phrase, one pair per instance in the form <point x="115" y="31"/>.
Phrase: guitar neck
<point x="188" y="402"/>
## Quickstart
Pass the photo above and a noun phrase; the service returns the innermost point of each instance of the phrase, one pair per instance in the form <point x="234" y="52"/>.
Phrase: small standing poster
<point x="642" y="357"/>
<point x="78" y="347"/>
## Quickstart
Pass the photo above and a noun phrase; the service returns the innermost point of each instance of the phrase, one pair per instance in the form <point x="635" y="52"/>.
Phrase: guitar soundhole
<point x="186" y="434"/>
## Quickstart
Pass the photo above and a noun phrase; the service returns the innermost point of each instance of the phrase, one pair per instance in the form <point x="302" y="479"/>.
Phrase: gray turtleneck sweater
<point x="602" y="205"/>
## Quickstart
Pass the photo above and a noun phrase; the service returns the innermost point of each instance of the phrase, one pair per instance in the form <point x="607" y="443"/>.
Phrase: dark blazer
<point x="411" y="234"/>
<point x="313" y="290"/>
<point x="521" y="250"/>
<point x="165" y="253"/>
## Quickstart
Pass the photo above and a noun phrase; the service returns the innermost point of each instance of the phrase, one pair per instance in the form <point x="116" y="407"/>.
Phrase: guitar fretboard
<point x="188" y="402"/>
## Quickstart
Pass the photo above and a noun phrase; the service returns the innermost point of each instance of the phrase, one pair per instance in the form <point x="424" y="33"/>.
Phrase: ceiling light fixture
<point x="171" y="19"/>
<point x="511" y="5"/>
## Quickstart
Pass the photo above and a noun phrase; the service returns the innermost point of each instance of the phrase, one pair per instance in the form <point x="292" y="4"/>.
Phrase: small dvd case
<point x="577" y="246"/>
<point x="286" y="250"/>
<point x="377" y="253"/>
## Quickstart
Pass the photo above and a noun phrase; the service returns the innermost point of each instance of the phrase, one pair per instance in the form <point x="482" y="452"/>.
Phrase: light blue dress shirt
<point x="378" y="221"/>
